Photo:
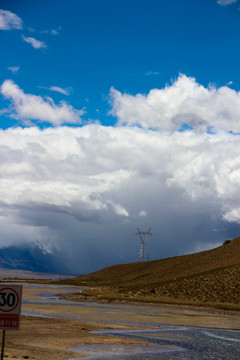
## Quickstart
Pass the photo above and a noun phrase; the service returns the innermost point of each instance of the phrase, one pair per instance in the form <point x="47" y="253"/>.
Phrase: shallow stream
<point x="169" y="337"/>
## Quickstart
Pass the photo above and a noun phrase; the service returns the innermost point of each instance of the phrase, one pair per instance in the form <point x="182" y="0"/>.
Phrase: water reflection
<point x="124" y="351"/>
<point x="165" y="341"/>
<point x="170" y="342"/>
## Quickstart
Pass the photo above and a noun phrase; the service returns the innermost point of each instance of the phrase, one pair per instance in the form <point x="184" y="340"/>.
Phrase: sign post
<point x="3" y="344"/>
<point x="10" y="309"/>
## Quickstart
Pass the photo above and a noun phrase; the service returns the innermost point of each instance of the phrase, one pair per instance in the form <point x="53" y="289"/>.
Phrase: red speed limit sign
<point x="10" y="306"/>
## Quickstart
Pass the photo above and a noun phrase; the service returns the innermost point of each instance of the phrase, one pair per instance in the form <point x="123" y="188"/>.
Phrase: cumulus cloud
<point x="9" y="20"/>
<point x="226" y="2"/>
<point x="32" y="107"/>
<point x="85" y="188"/>
<point x="184" y="102"/>
<point x="36" y="44"/>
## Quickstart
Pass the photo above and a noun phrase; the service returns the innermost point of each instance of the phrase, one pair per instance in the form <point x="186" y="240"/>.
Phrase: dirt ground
<point x="43" y="339"/>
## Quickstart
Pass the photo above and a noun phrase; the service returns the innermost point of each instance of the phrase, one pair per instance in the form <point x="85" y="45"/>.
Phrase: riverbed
<point x="158" y="332"/>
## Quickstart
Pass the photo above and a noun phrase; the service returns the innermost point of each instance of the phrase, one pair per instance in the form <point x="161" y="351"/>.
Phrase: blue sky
<point x="132" y="45"/>
<point x="92" y="100"/>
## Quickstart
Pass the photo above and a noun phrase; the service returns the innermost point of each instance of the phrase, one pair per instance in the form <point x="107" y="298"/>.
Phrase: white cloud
<point x="14" y="69"/>
<point x="226" y="2"/>
<point x="54" y="171"/>
<point x="149" y="73"/>
<point x="59" y="89"/>
<point x="54" y="32"/>
<point x="105" y="175"/>
<point x="9" y="20"/>
<point x="118" y="209"/>
<point x="183" y="102"/>
<point x="89" y="188"/>
<point x="64" y="91"/>
<point x="37" y="44"/>
<point x="32" y="107"/>
<point x="51" y="32"/>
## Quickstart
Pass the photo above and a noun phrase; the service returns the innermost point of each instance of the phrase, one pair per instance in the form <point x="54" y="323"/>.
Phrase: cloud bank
<point x="88" y="188"/>
<point x="85" y="190"/>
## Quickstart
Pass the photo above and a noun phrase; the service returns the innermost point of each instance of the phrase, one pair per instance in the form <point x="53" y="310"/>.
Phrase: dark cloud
<point x="80" y="193"/>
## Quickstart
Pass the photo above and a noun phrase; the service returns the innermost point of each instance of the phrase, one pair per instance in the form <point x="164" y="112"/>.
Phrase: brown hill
<point x="211" y="276"/>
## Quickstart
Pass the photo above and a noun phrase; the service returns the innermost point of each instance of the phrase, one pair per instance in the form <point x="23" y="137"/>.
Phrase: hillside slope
<point x="154" y="272"/>
<point x="211" y="277"/>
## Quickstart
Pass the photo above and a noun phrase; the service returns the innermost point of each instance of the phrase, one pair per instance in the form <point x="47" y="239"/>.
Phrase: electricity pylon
<point x="144" y="236"/>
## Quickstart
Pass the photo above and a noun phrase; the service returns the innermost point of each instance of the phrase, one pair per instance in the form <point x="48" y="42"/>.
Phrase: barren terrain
<point x="210" y="278"/>
<point x="63" y="325"/>
<point x="190" y="286"/>
<point x="41" y="338"/>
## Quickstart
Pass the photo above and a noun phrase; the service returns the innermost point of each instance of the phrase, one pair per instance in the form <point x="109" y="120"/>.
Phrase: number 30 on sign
<point x="10" y="306"/>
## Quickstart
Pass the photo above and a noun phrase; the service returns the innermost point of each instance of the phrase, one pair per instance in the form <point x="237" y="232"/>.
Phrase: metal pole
<point x="3" y="343"/>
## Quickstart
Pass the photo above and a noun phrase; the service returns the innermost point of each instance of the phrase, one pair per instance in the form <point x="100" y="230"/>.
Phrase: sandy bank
<point x="41" y="338"/>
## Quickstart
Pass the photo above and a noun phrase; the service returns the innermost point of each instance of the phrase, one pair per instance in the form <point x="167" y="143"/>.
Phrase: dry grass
<point x="207" y="278"/>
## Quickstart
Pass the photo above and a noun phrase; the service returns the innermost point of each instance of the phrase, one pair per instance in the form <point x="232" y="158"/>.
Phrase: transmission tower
<point x="144" y="236"/>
